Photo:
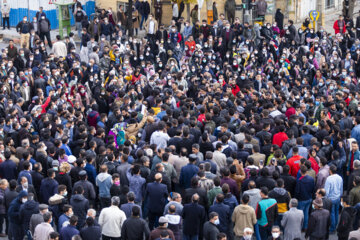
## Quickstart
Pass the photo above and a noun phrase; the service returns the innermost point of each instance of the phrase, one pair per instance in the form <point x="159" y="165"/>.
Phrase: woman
<point x="194" y="14"/>
<point x="64" y="178"/>
<point x="82" y="97"/>
<point x="135" y="19"/>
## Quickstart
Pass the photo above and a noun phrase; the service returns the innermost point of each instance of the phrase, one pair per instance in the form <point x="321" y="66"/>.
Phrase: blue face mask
<point x="317" y="103"/>
<point x="217" y="222"/>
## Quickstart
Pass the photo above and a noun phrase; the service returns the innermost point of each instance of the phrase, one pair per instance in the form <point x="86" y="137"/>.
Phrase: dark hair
<point x="245" y="198"/>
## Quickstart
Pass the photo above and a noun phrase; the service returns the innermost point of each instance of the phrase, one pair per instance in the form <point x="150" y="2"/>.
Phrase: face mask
<point x="25" y="185"/>
<point x="56" y="168"/>
<point x="242" y="77"/>
<point x="247" y="237"/>
<point x="321" y="84"/>
<point x="217" y="222"/>
<point x="275" y="235"/>
<point x="24" y="200"/>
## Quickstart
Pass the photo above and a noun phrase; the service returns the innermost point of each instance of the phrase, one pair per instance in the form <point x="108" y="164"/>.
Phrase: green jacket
<point x="212" y="194"/>
<point x="354" y="196"/>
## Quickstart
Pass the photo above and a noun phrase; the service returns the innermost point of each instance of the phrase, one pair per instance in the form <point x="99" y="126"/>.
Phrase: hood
<point x="103" y="176"/>
<point x="21" y="195"/>
<point x="78" y="197"/>
<point x="280" y="191"/>
<point x="253" y="192"/>
<point x="92" y="114"/>
<point x="245" y="209"/>
<point x="173" y="219"/>
<point x="30" y="205"/>
<point x="56" y="199"/>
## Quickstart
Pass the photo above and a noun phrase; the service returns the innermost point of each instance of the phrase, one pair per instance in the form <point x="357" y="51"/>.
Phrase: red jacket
<point x="289" y="112"/>
<point x="294" y="164"/>
<point x="279" y="138"/>
<point x="314" y="165"/>
<point x="337" y="29"/>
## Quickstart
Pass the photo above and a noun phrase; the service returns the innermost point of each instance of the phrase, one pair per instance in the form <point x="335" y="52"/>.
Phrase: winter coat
<point x="111" y="220"/>
<point x="243" y="217"/>
<point x="255" y="197"/>
<point x="156" y="193"/>
<point x="48" y="188"/>
<point x="210" y="231"/>
<point x="345" y="225"/>
<point x="14" y="209"/>
<point x="319" y="224"/>
<point x="282" y="198"/>
<point x="80" y="206"/>
<point x="193" y="215"/>
<point x="2" y="202"/>
<point x="91" y="233"/>
<point x="224" y="215"/>
<point x="175" y="224"/>
<point x="133" y="129"/>
<point x="135" y="228"/>
<point x="89" y="191"/>
<point x="26" y="211"/>
<point x="230" y="7"/>
<point x="68" y="232"/>
<point x="261" y="7"/>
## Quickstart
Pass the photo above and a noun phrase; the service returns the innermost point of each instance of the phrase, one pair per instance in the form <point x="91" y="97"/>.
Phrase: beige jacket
<point x="5" y="11"/>
<point x="243" y="217"/>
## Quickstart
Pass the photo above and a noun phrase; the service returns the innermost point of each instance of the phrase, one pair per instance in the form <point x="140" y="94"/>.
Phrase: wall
<point x="21" y="8"/>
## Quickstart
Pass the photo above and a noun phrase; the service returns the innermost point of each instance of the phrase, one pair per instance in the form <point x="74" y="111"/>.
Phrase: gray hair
<point x="115" y="201"/>
<point x="293" y="202"/>
<point x="91" y="212"/>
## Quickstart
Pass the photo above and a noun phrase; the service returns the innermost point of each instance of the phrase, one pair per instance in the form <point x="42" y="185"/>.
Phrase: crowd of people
<point x="197" y="131"/>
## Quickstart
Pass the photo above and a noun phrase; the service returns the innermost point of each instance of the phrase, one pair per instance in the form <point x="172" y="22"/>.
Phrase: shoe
<point x="3" y="235"/>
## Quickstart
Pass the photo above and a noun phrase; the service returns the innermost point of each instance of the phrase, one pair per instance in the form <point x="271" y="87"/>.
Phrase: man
<point x="334" y="190"/>
<point x="303" y="192"/>
<point x="24" y="27"/>
<point x="223" y="212"/>
<point x="64" y="219"/>
<point x="266" y="213"/>
<point x="294" y="162"/>
<point x="327" y="204"/>
<point x="43" y="230"/>
<point x="49" y="186"/>
<point x="193" y="218"/>
<point x="176" y="201"/>
<point x="134" y="227"/>
<point x="3" y="187"/>
<point x="59" y="49"/>
<point x="15" y="229"/>
<point x="111" y="220"/>
<point x="163" y="226"/>
<point x="174" y="221"/>
<point x="160" y="137"/>
<point x="38" y="218"/>
<point x="212" y="193"/>
<point x="347" y="217"/>
<point x="70" y="230"/>
<point x="27" y="209"/>
<point x="319" y="222"/>
<point x="151" y="27"/>
<point x="144" y="10"/>
<point x="354" y="195"/>
<point x="156" y="194"/>
<point x="104" y="182"/>
<point x="8" y="169"/>
<point x="292" y="221"/>
<point x="44" y="29"/>
<point x="339" y="25"/>
<point x="127" y="207"/>
<point x="244" y="217"/>
<point x="91" y="231"/>
<point x="188" y="171"/>
<point x="219" y="158"/>
<point x="282" y="198"/>
<point x="230" y="7"/>
<point x="5" y="12"/>
<point x="353" y="156"/>
<point x="136" y="183"/>
<point x="80" y="205"/>
<point x="211" y="231"/>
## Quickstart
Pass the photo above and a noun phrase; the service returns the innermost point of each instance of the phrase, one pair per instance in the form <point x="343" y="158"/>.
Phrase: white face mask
<point x="275" y="235"/>
<point x="24" y="200"/>
<point x="247" y="237"/>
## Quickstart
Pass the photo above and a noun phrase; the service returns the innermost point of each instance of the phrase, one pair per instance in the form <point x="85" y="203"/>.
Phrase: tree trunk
<point x="129" y="19"/>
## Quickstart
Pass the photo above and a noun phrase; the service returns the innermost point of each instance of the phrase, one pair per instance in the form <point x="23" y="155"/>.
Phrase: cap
<point x="318" y="202"/>
<point x="192" y="157"/>
<point x="43" y="206"/>
<point x="163" y="220"/>
<point x="55" y="163"/>
<point x="71" y="159"/>
<point x="82" y="173"/>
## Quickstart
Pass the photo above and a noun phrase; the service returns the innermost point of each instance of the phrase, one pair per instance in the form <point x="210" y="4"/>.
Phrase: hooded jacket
<point x="175" y="224"/>
<point x="80" y="206"/>
<point x="104" y="182"/>
<point x="255" y="197"/>
<point x="282" y="198"/>
<point x="243" y="217"/>
<point x="14" y="209"/>
<point x="26" y="211"/>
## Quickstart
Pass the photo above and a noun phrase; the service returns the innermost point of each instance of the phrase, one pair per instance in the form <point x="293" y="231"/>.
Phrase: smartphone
<point x="261" y="162"/>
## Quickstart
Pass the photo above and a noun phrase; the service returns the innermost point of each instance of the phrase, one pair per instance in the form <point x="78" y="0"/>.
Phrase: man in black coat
<point x="346" y="219"/>
<point x="29" y="208"/>
<point x="92" y="231"/>
<point x="80" y="205"/>
<point x="156" y="194"/>
<point x="134" y="227"/>
<point x="210" y="227"/>
<point x="89" y="190"/>
<point x="193" y="215"/>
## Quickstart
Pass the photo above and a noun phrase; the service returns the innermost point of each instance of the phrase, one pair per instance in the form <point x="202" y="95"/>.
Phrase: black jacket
<point x="189" y="192"/>
<point x="193" y="216"/>
<point x="91" y="233"/>
<point x="210" y="231"/>
<point x="26" y="211"/>
<point x="134" y="228"/>
<point x="346" y="222"/>
<point x="89" y="191"/>
<point x="319" y="224"/>
<point x="80" y="206"/>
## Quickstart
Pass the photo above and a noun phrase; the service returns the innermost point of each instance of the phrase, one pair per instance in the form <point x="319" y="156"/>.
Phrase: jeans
<point x="334" y="214"/>
<point x="265" y="232"/>
<point x="305" y="206"/>
<point x="48" y="38"/>
<point x="6" y="20"/>
<point x="257" y="231"/>
<point x="143" y="18"/>
<point x="192" y="237"/>
<point x="78" y="28"/>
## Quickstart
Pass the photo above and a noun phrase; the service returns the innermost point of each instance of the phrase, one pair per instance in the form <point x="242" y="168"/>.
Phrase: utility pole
<point x="320" y="5"/>
<point x="129" y="18"/>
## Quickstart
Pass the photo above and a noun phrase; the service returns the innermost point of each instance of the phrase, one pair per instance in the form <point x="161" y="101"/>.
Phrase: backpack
<point x="119" y="131"/>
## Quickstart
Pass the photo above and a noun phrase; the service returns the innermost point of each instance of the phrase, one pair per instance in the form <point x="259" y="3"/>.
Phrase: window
<point x="329" y="4"/>
<point x="124" y="4"/>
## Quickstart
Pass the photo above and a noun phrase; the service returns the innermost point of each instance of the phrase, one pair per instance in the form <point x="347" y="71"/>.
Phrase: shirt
<point x="334" y="187"/>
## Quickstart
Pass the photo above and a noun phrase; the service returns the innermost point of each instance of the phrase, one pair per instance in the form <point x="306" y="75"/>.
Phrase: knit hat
<point x="318" y="202"/>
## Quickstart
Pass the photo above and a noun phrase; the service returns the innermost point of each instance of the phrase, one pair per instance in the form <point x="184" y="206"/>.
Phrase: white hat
<point x="71" y="159"/>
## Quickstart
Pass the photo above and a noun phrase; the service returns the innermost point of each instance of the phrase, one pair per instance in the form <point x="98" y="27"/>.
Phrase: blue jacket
<point x="157" y="194"/>
<point x="91" y="172"/>
<point x="103" y="181"/>
<point x="305" y="186"/>
<point x="8" y="170"/>
<point x="127" y="208"/>
<point x="224" y="215"/>
<point x="48" y="188"/>
<point x="307" y="138"/>
<point x="136" y="185"/>
<point x="91" y="233"/>
<point x="231" y="201"/>
<point x="68" y="232"/>
<point x="67" y="149"/>
<point x="186" y="173"/>
<point x="14" y="209"/>
<point x="355" y="133"/>
<point x="62" y="219"/>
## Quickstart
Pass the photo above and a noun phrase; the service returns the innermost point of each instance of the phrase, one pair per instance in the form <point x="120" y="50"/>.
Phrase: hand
<point x="340" y="144"/>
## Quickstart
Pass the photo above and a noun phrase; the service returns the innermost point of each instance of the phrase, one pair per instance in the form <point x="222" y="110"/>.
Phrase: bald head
<point x="195" y="198"/>
<point x="158" y="177"/>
